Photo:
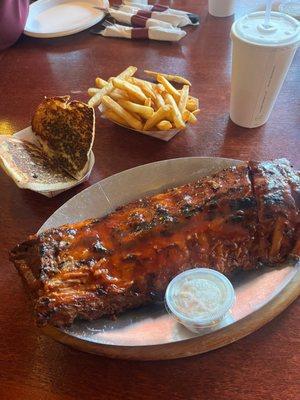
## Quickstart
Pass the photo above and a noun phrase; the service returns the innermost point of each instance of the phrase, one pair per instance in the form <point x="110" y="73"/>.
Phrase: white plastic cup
<point x="221" y="8"/>
<point x="261" y="57"/>
<point x="209" y="318"/>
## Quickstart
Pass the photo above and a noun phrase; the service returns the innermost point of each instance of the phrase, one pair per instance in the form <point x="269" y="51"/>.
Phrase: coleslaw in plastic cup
<point x="199" y="298"/>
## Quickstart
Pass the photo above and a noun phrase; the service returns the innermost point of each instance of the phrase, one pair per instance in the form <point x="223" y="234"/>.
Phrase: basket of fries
<point x="157" y="109"/>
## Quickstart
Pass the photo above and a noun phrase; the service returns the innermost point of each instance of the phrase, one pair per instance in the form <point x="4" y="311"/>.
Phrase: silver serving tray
<point x="150" y="332"/>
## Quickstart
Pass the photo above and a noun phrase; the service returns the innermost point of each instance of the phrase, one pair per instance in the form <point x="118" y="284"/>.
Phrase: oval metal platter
<point x="150" y="333"/>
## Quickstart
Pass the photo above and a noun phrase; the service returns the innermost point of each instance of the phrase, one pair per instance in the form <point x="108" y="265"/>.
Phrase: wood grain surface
<point x="264" y="365"/>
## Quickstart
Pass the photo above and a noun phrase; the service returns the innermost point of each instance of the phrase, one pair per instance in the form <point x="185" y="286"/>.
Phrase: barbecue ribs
<point x="237" y="219"/>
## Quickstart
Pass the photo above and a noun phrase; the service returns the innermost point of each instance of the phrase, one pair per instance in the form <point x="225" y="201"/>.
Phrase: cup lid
<point x="291" y="8"/>
<point x="283" y="30"/>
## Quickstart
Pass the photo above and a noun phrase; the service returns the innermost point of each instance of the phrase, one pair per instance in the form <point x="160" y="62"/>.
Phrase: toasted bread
<point x="30" y="168"/>
<point x="66" y="132"/>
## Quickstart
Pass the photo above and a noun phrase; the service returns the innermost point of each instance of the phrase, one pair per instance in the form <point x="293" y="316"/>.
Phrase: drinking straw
<point x="268" y="13"/>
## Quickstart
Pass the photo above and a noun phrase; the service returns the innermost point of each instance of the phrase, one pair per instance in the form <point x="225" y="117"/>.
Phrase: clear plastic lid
<point x="292" y="8"/>
<point x="282" y="30"/>
<point x="199" y="296"/>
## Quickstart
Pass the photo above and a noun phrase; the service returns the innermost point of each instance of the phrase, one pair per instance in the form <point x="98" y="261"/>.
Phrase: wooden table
<point x="264" y="365"/>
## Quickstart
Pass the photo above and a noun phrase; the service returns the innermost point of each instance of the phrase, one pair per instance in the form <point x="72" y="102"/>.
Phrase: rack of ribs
<point x="237" y="219"/>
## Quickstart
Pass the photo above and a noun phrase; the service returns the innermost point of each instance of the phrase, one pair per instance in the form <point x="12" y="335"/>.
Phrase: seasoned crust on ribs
<point x="277" y="189"/>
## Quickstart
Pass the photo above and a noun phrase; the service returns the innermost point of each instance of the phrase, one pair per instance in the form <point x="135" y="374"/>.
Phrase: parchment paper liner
<point x="27" y="134"/>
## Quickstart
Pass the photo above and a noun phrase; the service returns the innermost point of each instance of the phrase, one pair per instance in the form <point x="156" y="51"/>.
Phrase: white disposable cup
<point x="221" y="8"/>
<point x="261" y="58"/>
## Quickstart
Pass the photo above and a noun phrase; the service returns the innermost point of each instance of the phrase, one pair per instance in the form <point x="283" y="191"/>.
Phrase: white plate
<point x="150" y="332"/>
<point x="54" y="18"/>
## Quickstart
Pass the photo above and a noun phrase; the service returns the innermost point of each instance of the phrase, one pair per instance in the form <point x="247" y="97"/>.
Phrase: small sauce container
<point x="199" y="298"/>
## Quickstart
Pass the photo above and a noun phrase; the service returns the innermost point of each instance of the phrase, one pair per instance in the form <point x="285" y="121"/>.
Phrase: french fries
<point x="100" y="83"/>
<point x="183" y="98"/>
<point x="172" y="78"/>
<point x="157" y="117"/>
<point x="164" y="125"/>
<point x="192" y="104"/>
<point x="160" y="88"/>
<point x="169" y="87"/>
<point x="119" y="110"/>
<point x="96" y="99"/>
<point x="189" y="117"/>
<point x="133" y="91"/>
<point x="145" y="86"/>
<point x="144" y="111"/>
<point x="142" y="105"/>
<point x="118" y="94"/>
<point x="110" y="114"/>
<point x="159" y="100"/>
<point x="176" y="115"/>
<point x="148" y="102"/>
<point x="92" y="91"/>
